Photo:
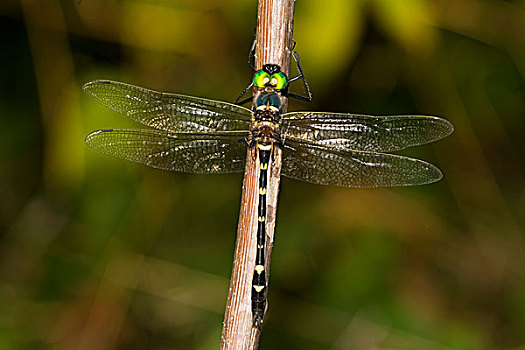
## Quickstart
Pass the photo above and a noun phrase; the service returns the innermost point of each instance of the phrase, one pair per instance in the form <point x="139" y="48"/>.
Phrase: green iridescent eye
<point x="278" y="81"/>
<point x="261" y="79"/>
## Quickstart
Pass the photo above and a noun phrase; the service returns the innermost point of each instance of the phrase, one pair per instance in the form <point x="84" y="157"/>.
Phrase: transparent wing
<point x="338" y="167"/>
<point x="170" y="112"/>
<point x="364" y="132"/>
<point x="217" y="153"/>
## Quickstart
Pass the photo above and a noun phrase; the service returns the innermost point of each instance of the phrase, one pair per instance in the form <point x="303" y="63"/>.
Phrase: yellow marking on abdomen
<point x="259" y="269"/>
<point x="264" y="166"/>
<point x="264" y="147"/>
<point x="258" y="289"/>
<point x="262" y="190"/>
<point x="262" y="218"/>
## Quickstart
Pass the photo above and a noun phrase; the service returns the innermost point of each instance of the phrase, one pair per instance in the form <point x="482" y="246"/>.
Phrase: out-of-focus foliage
<point x="97" y="253"/>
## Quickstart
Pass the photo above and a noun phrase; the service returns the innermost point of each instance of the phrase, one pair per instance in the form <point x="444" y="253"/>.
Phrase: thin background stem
<point x="273" y="45"/>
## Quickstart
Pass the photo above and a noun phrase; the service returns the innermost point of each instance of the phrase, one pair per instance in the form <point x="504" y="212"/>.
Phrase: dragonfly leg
<point x="251" y="55"/>
<point x="278" y="141"/>
<point x="300" y="97"/>
<point x="247" y="142"/>
<point x="308" y="97"/>
<point x="242" y="94"/>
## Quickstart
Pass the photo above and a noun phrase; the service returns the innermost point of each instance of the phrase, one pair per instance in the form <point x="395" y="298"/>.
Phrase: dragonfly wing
<point x="364" y="132"/>
<point x="185" y="152"/>
<point x="339" y="167"/>
<point x="170" y="112"/>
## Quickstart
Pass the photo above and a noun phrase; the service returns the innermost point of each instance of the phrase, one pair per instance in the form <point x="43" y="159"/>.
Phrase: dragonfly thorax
<point x="266" y="117"/>
<point x="267" y="101"/>
<point x="267" y="108"/>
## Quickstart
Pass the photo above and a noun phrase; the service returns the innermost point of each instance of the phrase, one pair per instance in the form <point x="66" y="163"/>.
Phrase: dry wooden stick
<point x="273" y="45"/>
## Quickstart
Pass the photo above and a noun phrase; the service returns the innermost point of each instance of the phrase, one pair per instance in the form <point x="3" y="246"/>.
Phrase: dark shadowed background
<point x="98" y="253"/>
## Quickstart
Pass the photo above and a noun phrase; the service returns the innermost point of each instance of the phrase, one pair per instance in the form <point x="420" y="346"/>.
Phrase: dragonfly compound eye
<point x="261" y="79"/>
<point x="279" y="81"/>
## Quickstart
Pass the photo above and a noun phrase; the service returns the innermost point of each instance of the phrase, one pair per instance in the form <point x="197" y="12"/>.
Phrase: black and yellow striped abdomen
<point x="265" y="136"/>
<point x="259" y="282"/>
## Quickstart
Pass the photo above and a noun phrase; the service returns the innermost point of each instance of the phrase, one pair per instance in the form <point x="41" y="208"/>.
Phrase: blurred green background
<point x="98" y="253"/>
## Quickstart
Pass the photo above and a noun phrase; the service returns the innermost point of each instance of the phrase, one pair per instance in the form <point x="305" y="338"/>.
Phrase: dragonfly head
<point x="270" y="77"/>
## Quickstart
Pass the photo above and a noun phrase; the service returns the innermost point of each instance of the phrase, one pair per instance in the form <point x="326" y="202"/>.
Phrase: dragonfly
<point x="203" y="136"/>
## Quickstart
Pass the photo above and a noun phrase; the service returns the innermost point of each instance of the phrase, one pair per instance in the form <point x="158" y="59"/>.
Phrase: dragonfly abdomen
<point x="265" y="134"/>
<point x="259" y="282"/>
